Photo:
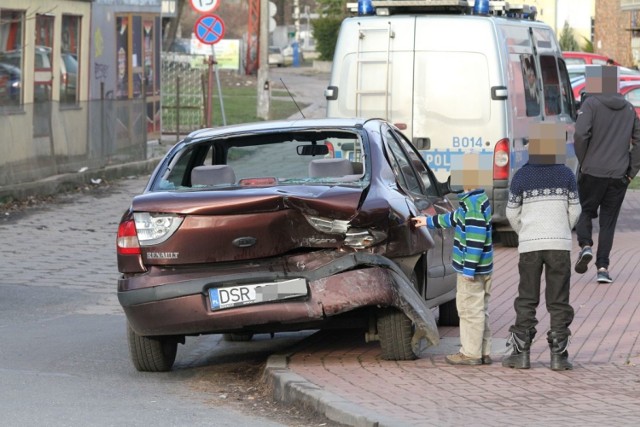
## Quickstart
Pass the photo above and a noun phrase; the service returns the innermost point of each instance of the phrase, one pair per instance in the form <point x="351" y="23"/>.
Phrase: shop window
<point x="11" y="61"/>
<point x="69" y="51"/>
<point x="122" y="48"/>
<point x="42" y="68"/>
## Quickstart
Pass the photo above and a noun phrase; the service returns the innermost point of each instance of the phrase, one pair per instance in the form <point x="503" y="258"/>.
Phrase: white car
<point x="275" y="56"/>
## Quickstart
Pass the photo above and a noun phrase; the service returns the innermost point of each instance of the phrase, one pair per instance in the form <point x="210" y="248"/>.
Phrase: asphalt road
<point x="64" y="359"/>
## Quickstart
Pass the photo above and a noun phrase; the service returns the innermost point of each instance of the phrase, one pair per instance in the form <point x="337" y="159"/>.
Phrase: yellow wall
<point x="69" y="125"/>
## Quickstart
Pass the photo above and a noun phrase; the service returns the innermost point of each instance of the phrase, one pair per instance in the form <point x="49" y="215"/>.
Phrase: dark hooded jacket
<point x="607" y="137"/>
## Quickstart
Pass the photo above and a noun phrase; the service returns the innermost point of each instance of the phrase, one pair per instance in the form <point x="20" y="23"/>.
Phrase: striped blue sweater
<point x="473" y="245"/>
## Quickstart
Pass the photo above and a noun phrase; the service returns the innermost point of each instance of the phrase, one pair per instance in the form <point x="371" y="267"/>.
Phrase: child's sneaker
<point x="603" y="276"/>
<point x="461" y="359"/>
<point x="584" y="259"/>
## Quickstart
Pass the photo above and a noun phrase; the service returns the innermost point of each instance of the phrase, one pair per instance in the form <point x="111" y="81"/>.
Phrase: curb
<point x="291" y="388"/>
<point x="60" y="183"/>
<point x="288" y="387"/>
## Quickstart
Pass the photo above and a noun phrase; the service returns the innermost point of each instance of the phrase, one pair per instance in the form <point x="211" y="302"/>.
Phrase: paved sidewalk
<point x="349" y="382"/>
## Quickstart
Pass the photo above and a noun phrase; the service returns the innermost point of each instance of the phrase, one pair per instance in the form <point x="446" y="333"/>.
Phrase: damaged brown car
<point x="286" y="226"/>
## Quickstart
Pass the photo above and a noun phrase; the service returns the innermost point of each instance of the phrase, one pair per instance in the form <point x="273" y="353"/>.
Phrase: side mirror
<point x="312" y="150"/>
<point x="447" y="188"/>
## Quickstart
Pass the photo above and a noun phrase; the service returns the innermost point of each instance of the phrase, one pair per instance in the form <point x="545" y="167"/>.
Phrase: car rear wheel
<point x="151" y="354"/>
<point x="395" y="331"/>
<point x="449" y="314"/>
<point x="238" y="337"/>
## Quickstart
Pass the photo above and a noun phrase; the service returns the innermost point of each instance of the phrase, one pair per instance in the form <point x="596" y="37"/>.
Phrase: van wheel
<point x="395" y="331"/>
<point x="509" y="239"/>
<point x="237" y="337"/>
<point x="151" y="354"/>
<point x="448" y="314"/>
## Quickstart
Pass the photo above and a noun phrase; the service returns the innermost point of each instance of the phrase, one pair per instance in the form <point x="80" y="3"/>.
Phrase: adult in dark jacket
<point x="607" y="144"/>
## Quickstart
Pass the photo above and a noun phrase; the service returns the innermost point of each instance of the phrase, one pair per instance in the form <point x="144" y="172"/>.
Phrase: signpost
<point x="209" y="29"/>
<point x="204" y="6"/>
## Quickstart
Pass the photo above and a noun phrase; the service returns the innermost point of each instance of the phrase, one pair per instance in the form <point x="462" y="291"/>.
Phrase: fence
<point x="183" y="94"/>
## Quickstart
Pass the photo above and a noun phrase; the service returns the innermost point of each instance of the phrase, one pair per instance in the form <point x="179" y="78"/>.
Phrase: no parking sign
<point x="209" y="29"/>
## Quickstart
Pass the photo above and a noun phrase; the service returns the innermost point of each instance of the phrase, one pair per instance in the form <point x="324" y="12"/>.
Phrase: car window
<point x="274" y="159"/>
<point x="575" y="61"/>
<point x="530" y="81"/>
<point x="568" y="103"/>
<point x="427" y="178"/>
<point x="402" y="165"/>
<point x="633" y="96"/>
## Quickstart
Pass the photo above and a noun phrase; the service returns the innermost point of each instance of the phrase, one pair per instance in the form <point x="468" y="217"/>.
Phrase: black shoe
<point x="584" y="259"/>
<point x="603" y="276"/>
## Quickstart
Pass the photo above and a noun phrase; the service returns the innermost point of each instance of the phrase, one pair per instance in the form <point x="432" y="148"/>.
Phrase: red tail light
<point x="127" y="241"/>
<point x="332" y="151"/>
<point x="501" y="160"/>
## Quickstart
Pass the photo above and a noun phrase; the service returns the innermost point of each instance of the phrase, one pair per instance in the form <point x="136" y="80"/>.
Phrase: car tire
<point x="151" y="354"/>
<point x="448" y="314"/>
<point x="237" y="337"/>
<point x="395" y="332"/>
<point x="509" y="239"/>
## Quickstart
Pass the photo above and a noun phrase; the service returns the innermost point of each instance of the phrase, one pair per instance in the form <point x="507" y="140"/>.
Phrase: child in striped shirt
<point x="472" y="255"/>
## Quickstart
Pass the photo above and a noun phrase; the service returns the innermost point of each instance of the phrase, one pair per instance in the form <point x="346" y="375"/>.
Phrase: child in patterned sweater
<point x="543" y="208"/>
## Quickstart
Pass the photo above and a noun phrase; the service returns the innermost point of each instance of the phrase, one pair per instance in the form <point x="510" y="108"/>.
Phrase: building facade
<point x="617" y="30"/>
<point x="79" y="85"/>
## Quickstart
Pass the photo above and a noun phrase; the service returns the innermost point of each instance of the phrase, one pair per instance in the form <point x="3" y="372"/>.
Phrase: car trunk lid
<point x="223" y="226"/>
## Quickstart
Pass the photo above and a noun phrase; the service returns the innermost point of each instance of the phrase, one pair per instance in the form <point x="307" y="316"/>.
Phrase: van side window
<point x="568" y="103"/>
<point x="531" y="90"/>
<point x="550" y="84"/>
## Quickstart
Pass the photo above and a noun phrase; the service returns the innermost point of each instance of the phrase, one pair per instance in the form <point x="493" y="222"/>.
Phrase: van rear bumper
<point x="499" y="200"/>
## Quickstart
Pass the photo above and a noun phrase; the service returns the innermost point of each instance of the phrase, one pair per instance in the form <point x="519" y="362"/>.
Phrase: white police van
<point x="455" y="76"/>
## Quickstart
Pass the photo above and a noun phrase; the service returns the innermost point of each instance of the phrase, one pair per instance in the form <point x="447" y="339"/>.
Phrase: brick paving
<point x="347" y="380"/>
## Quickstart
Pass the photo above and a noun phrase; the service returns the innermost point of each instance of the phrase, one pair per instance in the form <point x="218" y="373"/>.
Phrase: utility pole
<point x="264" y="92"/>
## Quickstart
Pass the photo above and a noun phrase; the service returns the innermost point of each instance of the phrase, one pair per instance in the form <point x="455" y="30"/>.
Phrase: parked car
<point x="10" y="84"/>
<point x="578" y="84"/>
<point x="43" y="72"/>
<point x="586" y="58"/>
<point x="576" y="71"/>
<point x="256" y="228"/>
<point x="631" y="92"/>
<point x="275" y="56"/>
<point x="68" y="77"/>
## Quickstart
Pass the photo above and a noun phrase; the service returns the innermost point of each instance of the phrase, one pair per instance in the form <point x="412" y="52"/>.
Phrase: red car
<point x="631" y="92"/>
<point x="586" y="58"/>
<point x="285" y="226"/>
<point x="578" y="85"/>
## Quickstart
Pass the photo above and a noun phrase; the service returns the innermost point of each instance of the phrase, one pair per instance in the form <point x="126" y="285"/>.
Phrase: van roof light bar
<point x="496" y="7"/>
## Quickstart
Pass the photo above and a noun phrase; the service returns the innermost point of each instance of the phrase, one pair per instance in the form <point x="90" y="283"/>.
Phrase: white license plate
<point x="235" y="296"/>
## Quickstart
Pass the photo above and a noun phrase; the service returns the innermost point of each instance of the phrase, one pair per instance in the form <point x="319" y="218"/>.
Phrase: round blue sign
<point x="209" y="29"/>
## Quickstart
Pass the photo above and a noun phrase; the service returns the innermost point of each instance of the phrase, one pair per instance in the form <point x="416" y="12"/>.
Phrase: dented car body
<point x="283" y="226"/>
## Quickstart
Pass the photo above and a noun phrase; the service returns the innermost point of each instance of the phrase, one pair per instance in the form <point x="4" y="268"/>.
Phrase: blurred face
<point x="471" y="170"/>
<point x="547" y="144"/>
<point x="601" y="79"/>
